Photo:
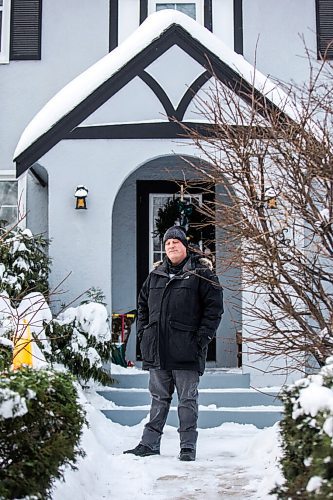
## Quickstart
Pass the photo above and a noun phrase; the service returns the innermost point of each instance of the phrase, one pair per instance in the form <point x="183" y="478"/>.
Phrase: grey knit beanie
<point x="176" y="233"/>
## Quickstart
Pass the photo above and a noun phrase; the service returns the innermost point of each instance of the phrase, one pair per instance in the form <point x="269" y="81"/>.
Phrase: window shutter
<point x="25" y="31"/>
<point x="325" y="28"/>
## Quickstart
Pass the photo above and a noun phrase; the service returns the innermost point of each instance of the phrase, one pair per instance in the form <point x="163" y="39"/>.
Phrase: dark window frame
<point x="14" y="207"/>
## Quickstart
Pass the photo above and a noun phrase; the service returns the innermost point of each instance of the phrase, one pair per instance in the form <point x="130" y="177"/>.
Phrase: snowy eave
<point x="153" y="27"/>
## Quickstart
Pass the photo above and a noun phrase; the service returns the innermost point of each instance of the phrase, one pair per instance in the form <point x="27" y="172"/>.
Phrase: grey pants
<point x="162" y="384"/>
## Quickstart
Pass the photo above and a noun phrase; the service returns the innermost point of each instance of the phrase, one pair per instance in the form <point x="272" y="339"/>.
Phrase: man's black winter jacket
<point x="178" y="317"/>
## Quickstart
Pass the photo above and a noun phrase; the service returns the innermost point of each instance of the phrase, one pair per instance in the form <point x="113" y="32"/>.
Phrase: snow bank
<point x="91" y="318"/>
<point x="120" y="370"/>
<point x="265" y="451"/>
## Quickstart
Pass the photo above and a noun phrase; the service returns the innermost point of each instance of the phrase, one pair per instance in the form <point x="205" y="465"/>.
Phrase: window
<point x="8" y="203"/>
<point x="191" y="8"/>
<point x="4" y="30"/>
<point x="186" y="8"/>
<point x="324" y="11"/>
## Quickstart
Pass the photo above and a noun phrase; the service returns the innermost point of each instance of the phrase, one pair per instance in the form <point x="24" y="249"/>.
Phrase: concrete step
<point x="260" y="416"/>
<point x="210" y="380"/>
<point x="224" y="396"/>
<point x="219" y="397"/>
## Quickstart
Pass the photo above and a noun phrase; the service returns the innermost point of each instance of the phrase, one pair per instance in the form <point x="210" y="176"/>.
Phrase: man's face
<point x="175" y="250"/>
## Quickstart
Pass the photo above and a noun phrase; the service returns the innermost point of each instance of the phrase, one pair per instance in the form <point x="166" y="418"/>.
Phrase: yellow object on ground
<point x="22" y="354"/>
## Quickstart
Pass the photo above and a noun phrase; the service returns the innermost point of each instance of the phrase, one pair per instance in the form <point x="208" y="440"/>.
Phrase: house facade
<point x="88" y="95"/>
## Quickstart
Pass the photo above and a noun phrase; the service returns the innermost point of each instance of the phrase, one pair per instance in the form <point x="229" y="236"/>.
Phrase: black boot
<point x="142" y="451"/>
<point x="187" y="455"/>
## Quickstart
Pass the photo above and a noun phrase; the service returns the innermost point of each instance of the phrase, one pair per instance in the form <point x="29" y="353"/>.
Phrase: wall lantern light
<point x="81" y="194"/>
<point x="270" y="197"/>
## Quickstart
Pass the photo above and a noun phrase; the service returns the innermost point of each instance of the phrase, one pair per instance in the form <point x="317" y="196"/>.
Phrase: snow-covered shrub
<point x="24" y="263"/>
<point x="81" y="340"/>
<point x="307" y="436"/>
<point x="40" y="427"/>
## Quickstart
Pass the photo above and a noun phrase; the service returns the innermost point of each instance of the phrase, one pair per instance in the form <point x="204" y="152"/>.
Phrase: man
<point x="179" y="309"/>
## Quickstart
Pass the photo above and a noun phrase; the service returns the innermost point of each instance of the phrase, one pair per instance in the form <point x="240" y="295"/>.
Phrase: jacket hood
<point x="193" y="262"/>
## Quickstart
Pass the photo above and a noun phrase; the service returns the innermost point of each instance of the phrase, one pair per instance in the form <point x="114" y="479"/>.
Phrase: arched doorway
<point x="132" y="217"/>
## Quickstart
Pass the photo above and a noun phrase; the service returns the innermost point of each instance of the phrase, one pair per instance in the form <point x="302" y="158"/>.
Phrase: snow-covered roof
<point x="68" y="98"/>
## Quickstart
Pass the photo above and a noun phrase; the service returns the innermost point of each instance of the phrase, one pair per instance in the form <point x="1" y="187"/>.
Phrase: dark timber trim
<point x="156" y="130"/>
<point x="190" y="93"/>
<point x="170" y="111"/>
<point x="317" y="29"/>
<point x="208" y="15"/>
<point x="113" y="24"/>
<point x="143" y="10"/>
<point x="151" y="130"/>
<point x="238" y="26"/>
<point x="159" y="92"/>
<point x="175" y="34"/>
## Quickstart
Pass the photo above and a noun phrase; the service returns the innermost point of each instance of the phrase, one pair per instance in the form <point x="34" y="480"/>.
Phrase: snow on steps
<point x="223" y="397"/>
<point x="210" y="380"/>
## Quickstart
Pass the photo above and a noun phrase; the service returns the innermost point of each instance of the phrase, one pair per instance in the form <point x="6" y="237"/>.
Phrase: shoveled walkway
<point x="233" y="461"/>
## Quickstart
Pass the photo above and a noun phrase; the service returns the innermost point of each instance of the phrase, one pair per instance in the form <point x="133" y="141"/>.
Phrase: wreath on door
<point x="177" y="212"/>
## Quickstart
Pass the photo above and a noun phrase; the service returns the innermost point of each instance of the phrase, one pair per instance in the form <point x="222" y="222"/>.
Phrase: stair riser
<point x="207" y="381"/>
<point x="232" y="399"/>
<point x="207" y="419"/>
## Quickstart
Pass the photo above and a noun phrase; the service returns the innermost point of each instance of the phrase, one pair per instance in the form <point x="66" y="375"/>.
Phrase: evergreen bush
<point x="24" y="263"/>
<point x="307" y="432"/>
<point x="40" y="427"/>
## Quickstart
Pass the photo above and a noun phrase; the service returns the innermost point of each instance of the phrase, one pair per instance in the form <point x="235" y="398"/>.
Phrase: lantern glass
<point x="81" y="203"/>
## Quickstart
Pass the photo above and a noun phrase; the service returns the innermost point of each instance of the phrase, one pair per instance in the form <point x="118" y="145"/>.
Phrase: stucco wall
<point x="75" y="34"/>
<point x="273" y="32"/>
<point x="129" y="17"/>
<point x="223" y="21"/>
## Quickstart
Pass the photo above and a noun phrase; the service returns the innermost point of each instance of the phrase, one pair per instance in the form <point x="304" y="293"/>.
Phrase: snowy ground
<point x="233" y="461"/>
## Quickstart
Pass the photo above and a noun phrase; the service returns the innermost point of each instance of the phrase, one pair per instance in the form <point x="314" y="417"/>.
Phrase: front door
<point x="152" y="195"/>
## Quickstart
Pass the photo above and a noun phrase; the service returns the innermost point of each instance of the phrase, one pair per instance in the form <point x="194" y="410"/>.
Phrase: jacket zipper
<point x="165" y="319"/>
